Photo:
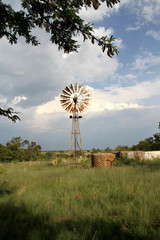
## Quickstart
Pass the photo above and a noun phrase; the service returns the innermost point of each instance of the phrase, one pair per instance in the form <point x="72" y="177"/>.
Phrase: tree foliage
<point x="149" y="144"/>
<point x="9" y="113"/>
<point x="18" y="150"/>
<point x="122" y="148"/>
<point x="60" y="18"/>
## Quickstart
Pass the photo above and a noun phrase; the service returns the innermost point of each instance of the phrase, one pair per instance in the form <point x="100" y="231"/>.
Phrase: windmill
<point x="75" y="100"/>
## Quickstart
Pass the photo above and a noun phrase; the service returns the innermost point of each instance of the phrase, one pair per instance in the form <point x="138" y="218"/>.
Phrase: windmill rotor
<point x="75" y="98"/>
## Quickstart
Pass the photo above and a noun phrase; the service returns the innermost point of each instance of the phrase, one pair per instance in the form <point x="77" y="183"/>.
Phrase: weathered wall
<point x="102" y="159"/>
<point x="142" y="155"/>
<point x="152" y="155"/>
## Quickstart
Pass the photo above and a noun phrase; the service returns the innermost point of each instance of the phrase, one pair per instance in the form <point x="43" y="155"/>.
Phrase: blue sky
<point x="125" y="106"/>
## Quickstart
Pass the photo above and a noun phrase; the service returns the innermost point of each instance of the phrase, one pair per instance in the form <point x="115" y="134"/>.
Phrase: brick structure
<point x="102" y="159"/>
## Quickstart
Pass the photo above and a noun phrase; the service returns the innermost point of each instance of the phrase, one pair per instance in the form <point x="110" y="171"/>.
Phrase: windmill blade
<point x="65" y="103"/>
<point x="80" y="108"/>
<point x="88" y="95"/>
<point x="85" y="92"/>
<point x="85" y="107"/>
<point x="67" y="89"/>
<point x="71" y="87"/>
<point x="79" y="87"/>
<point x="86" y="103"/>
<point x="76" y="111"/>
<point x="68" y="107"/>
<point x="86" y="99"/>
<point x="82" y="90"/>
<point x="76" y="87"/>
<point x="65" y="92"/>
<point x="64" y="96"/>
<point x="71" y="109"/>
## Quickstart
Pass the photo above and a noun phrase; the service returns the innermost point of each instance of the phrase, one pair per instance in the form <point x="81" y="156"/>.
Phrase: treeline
<point x="22" y="150"/>
<point x="149" y="144"/>
<point x="19" y="150"/>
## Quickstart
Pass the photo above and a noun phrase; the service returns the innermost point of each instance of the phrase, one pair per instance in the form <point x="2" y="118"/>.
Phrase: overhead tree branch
<point x="9" y="113"/>
<point x="60" y="18"/>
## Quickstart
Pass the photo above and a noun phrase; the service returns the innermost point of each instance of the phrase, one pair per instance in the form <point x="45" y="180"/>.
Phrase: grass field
<point x="41" y="201"/>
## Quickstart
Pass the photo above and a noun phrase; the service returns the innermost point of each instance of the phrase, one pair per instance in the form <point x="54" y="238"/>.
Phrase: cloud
<point x="111" y="99"/>
<point x="18" y="99"/>
<point x="154" y="34"/>
<point x="148" y="11"/>
<point x="136" y="93"/>
<point x="133" y="28"/>
<point x="142" y="63"/>
<point x="151" y="11"/>
<point x="40" y="73"/>
<point x="129" y="76"/>
<point x="103" y="11"/>
<point x="144" y="10"/>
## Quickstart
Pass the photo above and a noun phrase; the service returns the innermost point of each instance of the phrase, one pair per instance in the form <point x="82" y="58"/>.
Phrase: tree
<point x="60" y="18"/>
<point x="18" y="150"/>
<point x="144" y="146"/>
<point x="108" y="149"/>
<point x="122" y="148"/>
<point x="156" y="138"/>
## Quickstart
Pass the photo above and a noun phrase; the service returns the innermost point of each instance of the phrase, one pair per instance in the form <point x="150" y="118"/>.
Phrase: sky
<point x="125" y="89"/>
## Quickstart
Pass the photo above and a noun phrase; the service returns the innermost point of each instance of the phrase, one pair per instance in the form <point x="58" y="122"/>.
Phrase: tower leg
<point x="75" y="141"/>
<point x="80" y="142"/>
<point x="70" y="148"/>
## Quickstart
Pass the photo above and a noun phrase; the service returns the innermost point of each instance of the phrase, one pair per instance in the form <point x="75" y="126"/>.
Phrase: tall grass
<point x="39" y="201"/>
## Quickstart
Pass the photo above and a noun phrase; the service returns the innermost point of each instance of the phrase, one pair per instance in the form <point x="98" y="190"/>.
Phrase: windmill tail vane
<point x="75" y="99"/>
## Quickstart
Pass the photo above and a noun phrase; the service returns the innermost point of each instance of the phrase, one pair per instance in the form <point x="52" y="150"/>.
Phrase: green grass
<point x="40" y="201"/>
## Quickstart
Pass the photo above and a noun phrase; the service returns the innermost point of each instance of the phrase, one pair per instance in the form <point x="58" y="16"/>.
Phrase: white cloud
<point x="154" y="34"/>
<point x="50" y="107"/>
<point x="151" y="10"/>
<point x="92" y="15"/>
<point x="135" y="93"/>
<point x="39" y="73"/>
<point x="108" y="101"/>
<point x="133" y="28"/>
<point x="18" y="99"/>
<point x="90" y="64"/>
<point x="142" y="63"/>
<point x="148" y="11"/>
<point x="130" y="76"/>
<point x="113" y="98"/>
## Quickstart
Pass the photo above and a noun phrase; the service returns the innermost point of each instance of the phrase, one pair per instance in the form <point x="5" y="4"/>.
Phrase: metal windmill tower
<point x="75" y="100"/>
